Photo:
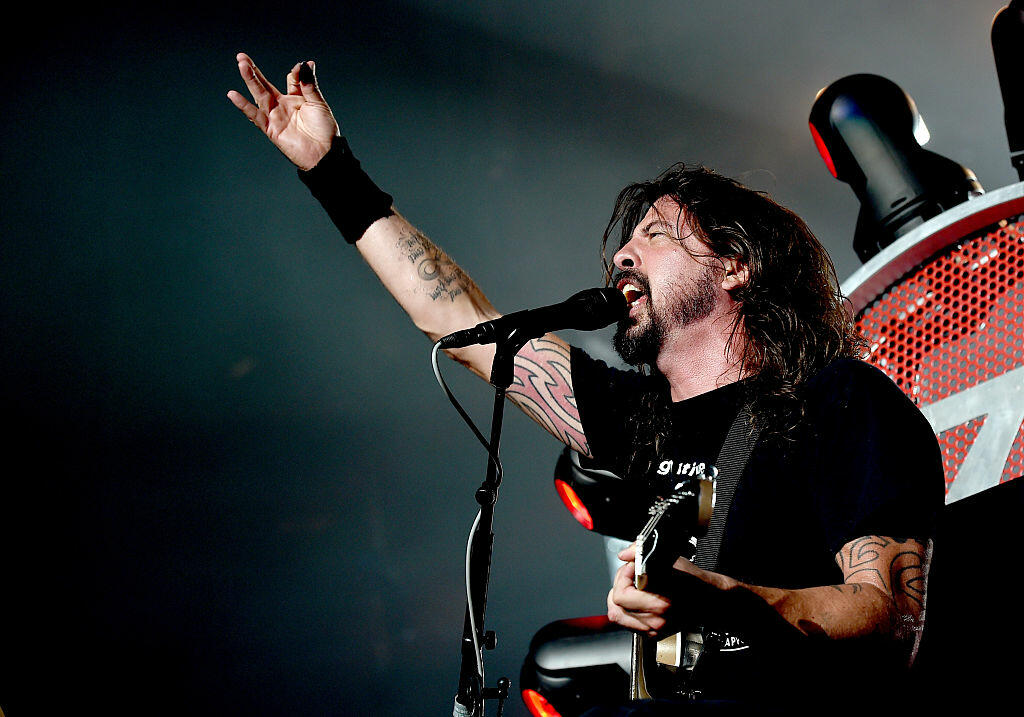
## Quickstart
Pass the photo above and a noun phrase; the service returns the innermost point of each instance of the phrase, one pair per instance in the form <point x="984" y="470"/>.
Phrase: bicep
<point x="543" y="389"/>
<point x="895" y="567"/>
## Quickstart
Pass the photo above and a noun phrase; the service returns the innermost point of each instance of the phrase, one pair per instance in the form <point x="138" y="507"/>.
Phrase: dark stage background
<point x="232" y="485"/>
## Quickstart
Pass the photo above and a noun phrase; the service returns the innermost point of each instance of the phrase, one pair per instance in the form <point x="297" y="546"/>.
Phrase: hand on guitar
<point x="658" y="610"/>
<point x="689" y="596"/>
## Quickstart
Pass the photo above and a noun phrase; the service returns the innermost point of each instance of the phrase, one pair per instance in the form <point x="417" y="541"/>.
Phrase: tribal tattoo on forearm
<point x="543" y="389"/>
<point x="542" y="386"/>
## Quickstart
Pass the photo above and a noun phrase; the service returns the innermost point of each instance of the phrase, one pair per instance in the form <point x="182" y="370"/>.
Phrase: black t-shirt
<point x="861" y="461"/>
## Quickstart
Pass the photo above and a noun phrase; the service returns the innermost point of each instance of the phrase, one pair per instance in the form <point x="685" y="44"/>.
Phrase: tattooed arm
<point x="882" y="594"/>
<point x="897" y="570"/>
<point x="440" y="298"/>
<point x="432" y="289"/>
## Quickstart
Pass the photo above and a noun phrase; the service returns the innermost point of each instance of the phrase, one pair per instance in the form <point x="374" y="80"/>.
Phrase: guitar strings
<point x="642" y="567"/>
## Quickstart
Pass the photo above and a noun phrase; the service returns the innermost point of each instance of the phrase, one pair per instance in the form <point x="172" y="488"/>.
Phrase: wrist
<point x="352" y="200"/>
<point x="307" y="166"/>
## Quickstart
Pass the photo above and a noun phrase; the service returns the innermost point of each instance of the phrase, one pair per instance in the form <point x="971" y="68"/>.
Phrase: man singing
<point x="734" y="322"/>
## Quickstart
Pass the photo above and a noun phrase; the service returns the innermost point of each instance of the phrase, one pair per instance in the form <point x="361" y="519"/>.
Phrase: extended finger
<point x="251" y="111"/>
<point x="261" y="89"/>
<point x="256" y="88"/>
<point x="262" y="78"/>
<point x="247" y="107"/>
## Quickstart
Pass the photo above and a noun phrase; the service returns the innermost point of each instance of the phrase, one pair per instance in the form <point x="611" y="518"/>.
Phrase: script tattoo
<point x="433" y="266"/>
<point x="543" y="389"/>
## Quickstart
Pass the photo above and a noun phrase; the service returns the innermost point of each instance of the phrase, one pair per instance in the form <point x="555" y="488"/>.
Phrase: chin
<point x="636" y="344"/>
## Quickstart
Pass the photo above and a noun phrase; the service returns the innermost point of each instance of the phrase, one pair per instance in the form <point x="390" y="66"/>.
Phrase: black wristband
<point x="352" y="200"/>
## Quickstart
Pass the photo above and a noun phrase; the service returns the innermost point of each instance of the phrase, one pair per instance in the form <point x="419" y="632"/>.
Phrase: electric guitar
<point x="684" y="514"/>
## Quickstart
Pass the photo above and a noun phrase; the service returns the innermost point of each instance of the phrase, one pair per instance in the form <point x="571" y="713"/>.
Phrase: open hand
<point x="299" y="123"/>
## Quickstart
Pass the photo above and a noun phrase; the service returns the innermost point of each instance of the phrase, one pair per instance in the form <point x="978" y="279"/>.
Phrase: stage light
<point x="574" y="504"/>
<point x="538" y="706"/>
<point x="598" y="499"/>
<point x="574" y="665"/>
<point x="869" y="134"/>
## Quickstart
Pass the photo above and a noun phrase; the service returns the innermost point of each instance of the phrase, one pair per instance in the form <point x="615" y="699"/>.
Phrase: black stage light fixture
<point x="1007" y="37"/>
<point x="869" y="133"/>
<point x="600" y="500"/>
<point x="574" y="665"/>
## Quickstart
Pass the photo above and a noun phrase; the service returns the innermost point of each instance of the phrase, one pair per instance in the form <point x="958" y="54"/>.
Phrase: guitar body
<point x="663" y="667"/>
<point x="658" y="668"/>
<point x="638" y="687"/>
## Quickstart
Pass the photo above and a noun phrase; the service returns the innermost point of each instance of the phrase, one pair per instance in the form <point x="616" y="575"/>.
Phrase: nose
<point x="626" y="257"/>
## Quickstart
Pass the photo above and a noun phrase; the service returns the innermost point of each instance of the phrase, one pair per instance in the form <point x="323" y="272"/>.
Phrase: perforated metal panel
<point x="950" y="332"/>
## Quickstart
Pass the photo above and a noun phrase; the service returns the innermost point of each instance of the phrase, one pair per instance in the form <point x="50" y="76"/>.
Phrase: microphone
<point x="586" y="310"/>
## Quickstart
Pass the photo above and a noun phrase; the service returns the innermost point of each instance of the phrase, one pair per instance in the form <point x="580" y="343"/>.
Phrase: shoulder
<point x="850" y="379"/>
<point x="849" y="369"/>
<point x="852" y="396"/>
<point x="880" y="454"/>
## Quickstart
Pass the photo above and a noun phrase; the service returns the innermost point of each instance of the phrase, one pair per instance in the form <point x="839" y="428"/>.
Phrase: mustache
<point x="632" y="276"/>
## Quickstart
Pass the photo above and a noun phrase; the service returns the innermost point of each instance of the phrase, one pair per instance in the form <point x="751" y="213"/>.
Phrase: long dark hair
<point x="790" y="311"/>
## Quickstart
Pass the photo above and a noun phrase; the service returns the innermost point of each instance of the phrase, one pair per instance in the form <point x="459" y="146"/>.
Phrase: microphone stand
<point x="471" y="696"/>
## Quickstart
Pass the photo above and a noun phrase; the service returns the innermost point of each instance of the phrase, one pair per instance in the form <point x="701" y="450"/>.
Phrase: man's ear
<point x="737" y="274"/>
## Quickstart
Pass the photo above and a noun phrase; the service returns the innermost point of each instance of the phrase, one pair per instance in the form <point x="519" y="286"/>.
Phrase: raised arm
<point x="436" y="294"/>
<point x="440" y="298"/>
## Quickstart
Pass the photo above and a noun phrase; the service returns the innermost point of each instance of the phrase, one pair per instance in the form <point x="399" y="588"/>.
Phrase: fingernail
<point x="305" y="74"/>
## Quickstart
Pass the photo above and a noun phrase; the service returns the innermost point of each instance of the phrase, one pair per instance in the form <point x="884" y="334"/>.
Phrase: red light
<point x="823" y="151"/>
<point x="574" y="504"/>
<point x="538" y="706"/>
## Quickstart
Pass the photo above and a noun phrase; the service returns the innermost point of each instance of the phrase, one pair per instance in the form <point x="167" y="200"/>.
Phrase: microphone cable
<point x="476" y="522"/>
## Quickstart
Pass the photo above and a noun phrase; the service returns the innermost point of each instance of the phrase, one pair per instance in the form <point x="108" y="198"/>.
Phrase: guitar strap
<point x="732" y="459"/>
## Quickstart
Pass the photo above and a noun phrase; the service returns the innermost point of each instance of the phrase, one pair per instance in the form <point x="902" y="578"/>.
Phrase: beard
<point x="640" y="344"/>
